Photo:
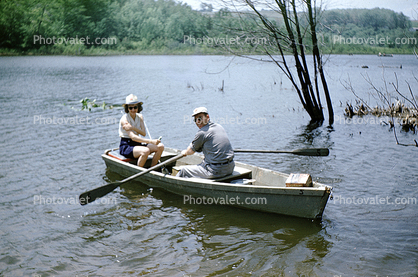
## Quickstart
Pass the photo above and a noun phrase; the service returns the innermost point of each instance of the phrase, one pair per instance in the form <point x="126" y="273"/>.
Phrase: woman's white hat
<point x="132" y="99"/>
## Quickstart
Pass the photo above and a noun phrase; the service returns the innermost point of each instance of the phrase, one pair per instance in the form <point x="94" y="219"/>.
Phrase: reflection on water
<point x="230" y="240"/>
<point x="139" y="230"/>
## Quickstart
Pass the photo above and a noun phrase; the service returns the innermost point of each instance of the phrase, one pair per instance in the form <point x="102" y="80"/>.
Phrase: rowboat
<point x="248" y="187"/>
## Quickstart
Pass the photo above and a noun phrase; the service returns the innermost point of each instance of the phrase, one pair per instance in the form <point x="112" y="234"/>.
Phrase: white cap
<point x="132" y="99"/>
<point x="200" y="110"/>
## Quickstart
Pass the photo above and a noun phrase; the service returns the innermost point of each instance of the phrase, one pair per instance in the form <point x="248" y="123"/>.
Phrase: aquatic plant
<point x="398" y="105"/>
<point x="87" y="104"/>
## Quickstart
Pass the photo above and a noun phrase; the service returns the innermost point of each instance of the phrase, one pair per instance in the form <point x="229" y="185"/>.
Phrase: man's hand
<point x="188" y="151"/>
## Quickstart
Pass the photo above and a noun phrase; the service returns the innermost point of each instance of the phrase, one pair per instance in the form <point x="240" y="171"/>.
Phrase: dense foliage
<point x="165" y="27"/>
<point x="367" y="31"/>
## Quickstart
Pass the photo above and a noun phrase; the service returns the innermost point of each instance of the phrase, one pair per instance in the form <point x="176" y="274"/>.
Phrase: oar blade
<point x="311" y="152"/>
<point x="91" y="195"/>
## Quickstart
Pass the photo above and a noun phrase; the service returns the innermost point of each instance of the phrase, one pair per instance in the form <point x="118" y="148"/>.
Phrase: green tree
<point x="12" y="14"/>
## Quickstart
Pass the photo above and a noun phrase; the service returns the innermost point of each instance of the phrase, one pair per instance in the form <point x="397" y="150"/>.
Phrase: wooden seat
<point x="238" y="173"/>
<point x="115" y="154"/>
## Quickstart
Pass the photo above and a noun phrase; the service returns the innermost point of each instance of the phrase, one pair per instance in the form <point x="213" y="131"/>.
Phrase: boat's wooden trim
<point x="110" y="150"/>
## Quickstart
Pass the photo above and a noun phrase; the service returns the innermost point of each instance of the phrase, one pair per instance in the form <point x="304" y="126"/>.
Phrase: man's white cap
<point x="200" y="110"/>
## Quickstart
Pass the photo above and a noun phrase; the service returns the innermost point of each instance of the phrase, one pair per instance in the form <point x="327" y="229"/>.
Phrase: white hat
<point x="200" y="110"/>
<point x="132" y="99"/>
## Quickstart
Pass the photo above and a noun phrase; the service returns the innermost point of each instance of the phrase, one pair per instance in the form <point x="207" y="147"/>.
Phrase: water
<point x="51" y="153"/>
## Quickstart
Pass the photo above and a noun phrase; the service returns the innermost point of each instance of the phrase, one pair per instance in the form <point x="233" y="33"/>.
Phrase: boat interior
<point x="243" y="174"/>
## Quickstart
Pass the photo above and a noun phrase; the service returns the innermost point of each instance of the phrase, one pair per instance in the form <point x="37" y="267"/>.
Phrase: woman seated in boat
<point x="132" y="131"/>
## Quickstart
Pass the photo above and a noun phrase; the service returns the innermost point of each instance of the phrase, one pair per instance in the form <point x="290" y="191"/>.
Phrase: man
<point x="212" y="140"/>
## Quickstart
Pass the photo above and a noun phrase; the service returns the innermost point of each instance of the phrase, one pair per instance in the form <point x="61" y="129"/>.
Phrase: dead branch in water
<point x="407" y="115"/>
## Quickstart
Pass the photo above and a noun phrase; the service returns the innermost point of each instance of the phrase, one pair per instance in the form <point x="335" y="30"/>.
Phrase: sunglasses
<point x="199" y="118"/>
<point x="132" y="108"/>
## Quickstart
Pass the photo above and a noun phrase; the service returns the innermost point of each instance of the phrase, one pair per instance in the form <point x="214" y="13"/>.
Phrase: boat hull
<point x="267" y="195"/>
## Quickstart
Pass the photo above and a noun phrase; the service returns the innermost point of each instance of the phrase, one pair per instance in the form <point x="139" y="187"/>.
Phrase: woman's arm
<point x="142" y="131"/>
<point x="128" y="128"/>
<point x="137" y="138"/>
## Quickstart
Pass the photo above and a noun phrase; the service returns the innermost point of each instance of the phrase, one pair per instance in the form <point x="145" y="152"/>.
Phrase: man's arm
<point x="188" y="151"/>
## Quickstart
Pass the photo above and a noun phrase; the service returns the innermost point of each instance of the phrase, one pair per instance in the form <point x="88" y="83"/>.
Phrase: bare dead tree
<point x="290" y="34"/>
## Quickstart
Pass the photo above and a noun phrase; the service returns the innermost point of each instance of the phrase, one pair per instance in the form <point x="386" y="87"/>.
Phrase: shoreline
<point x="183" y="52"/>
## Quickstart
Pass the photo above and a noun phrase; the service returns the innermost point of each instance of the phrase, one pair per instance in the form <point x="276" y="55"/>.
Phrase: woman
<point x="133" y="143"/>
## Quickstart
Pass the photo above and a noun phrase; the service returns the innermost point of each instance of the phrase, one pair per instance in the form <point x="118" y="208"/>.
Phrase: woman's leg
<point x="157" y="150"/>
<point x="141" y="152"/>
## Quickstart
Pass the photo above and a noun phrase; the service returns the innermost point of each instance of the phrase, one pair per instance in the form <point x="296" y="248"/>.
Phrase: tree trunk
<point x="292" y="40"/>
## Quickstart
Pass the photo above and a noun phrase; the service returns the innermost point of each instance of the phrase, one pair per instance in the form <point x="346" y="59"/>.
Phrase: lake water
<point x="50" y="153"/>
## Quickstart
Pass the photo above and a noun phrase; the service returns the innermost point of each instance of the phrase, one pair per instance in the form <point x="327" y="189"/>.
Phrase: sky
<point x="407" y="7"/>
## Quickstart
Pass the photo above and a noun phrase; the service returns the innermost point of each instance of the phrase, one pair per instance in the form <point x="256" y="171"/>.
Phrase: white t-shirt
<point x="134" y="123"/>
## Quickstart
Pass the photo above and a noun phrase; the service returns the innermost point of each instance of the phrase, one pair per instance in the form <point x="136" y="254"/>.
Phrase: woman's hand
<point x="155" y="141"/>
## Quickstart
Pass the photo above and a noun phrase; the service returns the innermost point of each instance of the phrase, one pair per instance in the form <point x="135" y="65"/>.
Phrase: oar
<point x="303" y="152"/>
<point x="93" y="194"/>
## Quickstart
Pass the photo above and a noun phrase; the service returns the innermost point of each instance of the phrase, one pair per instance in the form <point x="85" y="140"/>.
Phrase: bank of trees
<point x="376" y="19"/>
<point x="367" y="31"/>
<point x="143" y="24"/>
<point x="148" y="26"/>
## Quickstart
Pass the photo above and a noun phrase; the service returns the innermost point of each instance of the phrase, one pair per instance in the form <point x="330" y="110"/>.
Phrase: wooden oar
<point x="93" y="194"/>
<point x="303" y="152"/>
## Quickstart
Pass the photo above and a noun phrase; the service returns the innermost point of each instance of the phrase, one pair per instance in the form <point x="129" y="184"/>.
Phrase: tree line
<point x="161" y="26"/>
<point x="367" y="30"/>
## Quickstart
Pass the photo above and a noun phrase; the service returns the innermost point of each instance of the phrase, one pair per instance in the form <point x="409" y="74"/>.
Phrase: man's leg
<point x="198" y="171"/>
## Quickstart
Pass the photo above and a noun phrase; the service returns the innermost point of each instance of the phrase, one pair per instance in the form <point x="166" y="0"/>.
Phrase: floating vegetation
<point x="408" y="117"/>
<point x="87" y="104"/>
<point x="400" y="106"/>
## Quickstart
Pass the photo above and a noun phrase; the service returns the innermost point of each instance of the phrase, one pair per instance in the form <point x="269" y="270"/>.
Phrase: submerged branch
<point x="407" y="116"/>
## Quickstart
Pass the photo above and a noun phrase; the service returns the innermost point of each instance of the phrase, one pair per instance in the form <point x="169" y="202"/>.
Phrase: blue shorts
<point x="126" y="147"/>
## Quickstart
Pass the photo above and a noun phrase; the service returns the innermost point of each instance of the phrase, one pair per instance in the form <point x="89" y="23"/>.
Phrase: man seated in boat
<point x="212" y="140"/>
<point x="132" y="132"/>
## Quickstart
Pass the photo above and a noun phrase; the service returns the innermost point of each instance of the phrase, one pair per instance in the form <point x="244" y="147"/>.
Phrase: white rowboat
<point x="249" y="187"/>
